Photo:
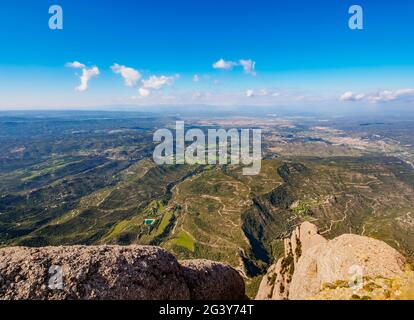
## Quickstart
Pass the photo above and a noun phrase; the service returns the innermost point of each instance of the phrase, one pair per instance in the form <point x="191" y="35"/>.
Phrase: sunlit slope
<point x="215" y="212"/>
<point x="211" y="205"/>
<point x="97" y="215"/>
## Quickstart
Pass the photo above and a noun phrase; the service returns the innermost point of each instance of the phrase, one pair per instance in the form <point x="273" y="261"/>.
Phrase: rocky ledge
<point x="113" y="272"/>
<point x="347" y="267"/>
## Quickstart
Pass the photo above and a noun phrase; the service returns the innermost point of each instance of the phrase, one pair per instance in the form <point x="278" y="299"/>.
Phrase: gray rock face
<point x="208" y="280"/>
<point x="109" y="272"/>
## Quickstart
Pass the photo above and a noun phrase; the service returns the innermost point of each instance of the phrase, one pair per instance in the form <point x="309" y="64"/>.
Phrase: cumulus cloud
<point x="249" y="66"/>
<point x="249" y="93"/>
<point x="379" y="96"/>
<point x="387" y="95"/>
<point x="130" y="75"/>
<point x="144" y="92"/>
<point x="154" y="82"/>
<point x="76" y="65"/>
<point x="86" y="76"/>
<point x="350" y="96"/>
<point x="223" y="64"/>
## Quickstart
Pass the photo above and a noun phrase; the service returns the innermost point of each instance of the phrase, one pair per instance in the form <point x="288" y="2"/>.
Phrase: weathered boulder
<point x="95" y="272"/>
<point x="112" y="272"/>
<point x="208" y="280"/>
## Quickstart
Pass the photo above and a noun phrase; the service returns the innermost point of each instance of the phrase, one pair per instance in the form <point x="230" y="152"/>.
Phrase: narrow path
<point x="338" y="221"/>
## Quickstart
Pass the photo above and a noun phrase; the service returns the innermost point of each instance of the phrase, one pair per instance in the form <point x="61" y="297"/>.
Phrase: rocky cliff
<point x="112" y="272"/>
<point x="347" y="267"/>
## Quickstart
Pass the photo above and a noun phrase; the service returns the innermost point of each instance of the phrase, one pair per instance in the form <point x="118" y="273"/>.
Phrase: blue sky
<point x="274" y="53"/>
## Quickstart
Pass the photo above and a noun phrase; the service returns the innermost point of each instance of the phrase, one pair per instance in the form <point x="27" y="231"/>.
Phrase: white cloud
<point x="387" y="95"/>
<point x="350" y="96"/>
<point x="144" y="92"/>
<point x="380" y="96"/>
<point x="249" y="93"/>
<point x="87" y="74"/>
<point x="196" y="78"/>
<point x="130" y="75"/>
<point x="154" y="82"/>
<point x="75" y="64"/>
<point x="249" y="66"/>
<point x="222" y="64"/>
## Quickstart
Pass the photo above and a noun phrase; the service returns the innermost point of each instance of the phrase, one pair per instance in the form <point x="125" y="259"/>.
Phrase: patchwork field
<point x="102" y="187"/>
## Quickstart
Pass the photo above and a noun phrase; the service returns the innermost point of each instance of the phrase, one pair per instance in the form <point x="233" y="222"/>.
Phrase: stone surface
<point x="310" y="261"/>
<point x="275" y="285"/>
<point x="112" y="272"/>
<point x="342" y="259"/>
<point x="208" y="280"/>
<point x="95" y="272"/>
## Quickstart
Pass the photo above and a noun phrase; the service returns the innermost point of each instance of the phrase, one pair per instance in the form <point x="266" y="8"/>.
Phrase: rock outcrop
<point x="112" y="272"/>
<point x="311" y="262"/>
<point x="275" y="284"/>
<point x="208" y="280"/>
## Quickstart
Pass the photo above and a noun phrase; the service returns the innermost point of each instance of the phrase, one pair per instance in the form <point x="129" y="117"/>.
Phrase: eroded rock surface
<point x="310" y="261"/>
<point x="208" y="280"/>
<point x="111" y="272"/>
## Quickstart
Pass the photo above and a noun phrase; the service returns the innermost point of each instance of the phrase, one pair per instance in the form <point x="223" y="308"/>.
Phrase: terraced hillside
<point x="105" y="189"/>
<point x="370" y="197"/>
<point x="99" y="216"/>
<point x="217" y="213"/>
